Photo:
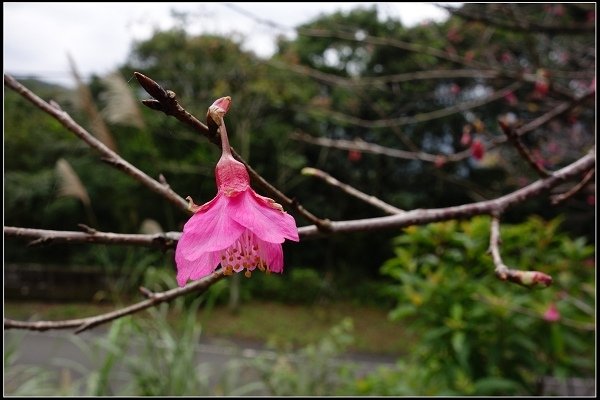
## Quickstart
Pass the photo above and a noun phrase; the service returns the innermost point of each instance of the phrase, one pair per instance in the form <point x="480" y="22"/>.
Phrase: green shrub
<point x="297" y="286"/>
<point x="477" y="334"/>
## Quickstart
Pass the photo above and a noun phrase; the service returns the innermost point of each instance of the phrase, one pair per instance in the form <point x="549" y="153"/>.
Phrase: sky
<point x="99" y="36"/>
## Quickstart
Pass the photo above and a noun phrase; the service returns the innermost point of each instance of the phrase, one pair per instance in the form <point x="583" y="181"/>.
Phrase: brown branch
<point x="408" y="218"/>
<point x="372" y="200"/>
<point x="424" y="216"/>
<point x="166" y="101"/>
<point x="408" y="46"/>
<point x="517" y="76"/>
<point x="524" y="26"/>
<point x="514" y="138"/>
<point x="374" y="148"/>
<point x="559" y="198"/>
<point x="557" y="111"/>
<point x="107" y="154"/>
<point x="422" y="117"/>
<point x="387" y="41"/>
<point x="524" y="278"/>
<point x="83" y="324"/>
<point x="162" y="241"/>
<point x="374" y="80"/>
<point x="543" y="119"/>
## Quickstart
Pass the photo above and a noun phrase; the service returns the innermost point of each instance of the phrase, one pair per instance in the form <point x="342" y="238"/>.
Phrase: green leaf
<point x="496" y="386"/>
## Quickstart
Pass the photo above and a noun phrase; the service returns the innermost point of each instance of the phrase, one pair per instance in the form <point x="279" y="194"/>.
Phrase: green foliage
<point x="168" y="348"/>
<point x="478" y="335"/>
<point x="298" y="286"/>
<point x="313" y="370"/>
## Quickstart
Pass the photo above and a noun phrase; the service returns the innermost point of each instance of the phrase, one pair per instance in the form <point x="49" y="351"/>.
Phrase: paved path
<point x="59" y="351"/>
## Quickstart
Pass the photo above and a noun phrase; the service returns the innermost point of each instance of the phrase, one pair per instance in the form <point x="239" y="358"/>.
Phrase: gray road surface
<point x="58" y="351"/>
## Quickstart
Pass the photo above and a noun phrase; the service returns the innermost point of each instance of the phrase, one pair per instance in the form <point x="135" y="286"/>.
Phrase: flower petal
<point x="266" y="222"/>
<point x="209" y="230"/>
<point x="272" y="253"/>
<point x="196" y="268"/>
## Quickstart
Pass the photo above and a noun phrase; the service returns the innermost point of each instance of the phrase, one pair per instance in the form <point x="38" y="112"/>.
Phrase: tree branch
<point x="424" y="216"/>
<point x="374" y="148"/>
<point x="421" y="117"/>
<point x="559" y="198"/>
<point x="83" y="324"/>
<point x="372" y="200"/>
<point x="525" y="27"/>
<point x="375" y="80"/>
<point x="107" y="154"/>
<point x="166" y="101"/>
<point x="524" y="278"/>
<point x="557" y="111"/>
<point x="162" y="241"/>
<point x="514" y="138"/>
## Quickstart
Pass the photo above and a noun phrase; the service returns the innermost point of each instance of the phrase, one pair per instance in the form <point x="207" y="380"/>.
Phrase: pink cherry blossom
<point x="238" y="229"/>
<point x="552" y="314"/>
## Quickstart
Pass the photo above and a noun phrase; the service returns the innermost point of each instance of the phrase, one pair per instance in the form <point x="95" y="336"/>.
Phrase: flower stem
<point x="225" y="147"/>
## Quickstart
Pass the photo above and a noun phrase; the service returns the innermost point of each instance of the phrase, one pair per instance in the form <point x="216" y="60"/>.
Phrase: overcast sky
<point x="37" y="36"/>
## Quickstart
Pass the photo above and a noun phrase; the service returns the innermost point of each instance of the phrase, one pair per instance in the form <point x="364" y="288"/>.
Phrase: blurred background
<point x="401" y="103"/>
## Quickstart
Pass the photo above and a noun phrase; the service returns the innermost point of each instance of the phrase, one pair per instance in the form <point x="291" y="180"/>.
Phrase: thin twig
<point x="414" y="119"/>
<point x="514" y="138"/>
<point x="374" y="148"/>
<point x="83" y="324"/>
<point x="424" y="216"/>
<point x="162" y="241"/>
<point x="557" y="111"/>
<point x="525" y="278"/>
<point x="108" y="155"/>
<point x="418" y="48"/>
<point x="372" y="200"/>
<point x="166" y="101"/>
<point x="559" y="198"/>
<point x="375" y="80"/>
<point x="526" y="27"/>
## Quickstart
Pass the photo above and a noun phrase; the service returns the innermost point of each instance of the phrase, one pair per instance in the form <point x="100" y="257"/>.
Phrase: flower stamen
<point x="243" y="255"/>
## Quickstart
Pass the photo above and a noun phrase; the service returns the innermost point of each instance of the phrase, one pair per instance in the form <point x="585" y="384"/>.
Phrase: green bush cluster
<point x="476" y="334"/>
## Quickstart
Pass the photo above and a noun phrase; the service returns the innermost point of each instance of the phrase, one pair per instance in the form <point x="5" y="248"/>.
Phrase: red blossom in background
<point x="465" y="139"/>
<point x="511" y="99"/>
<point x="440" y="161"/>
<point x="477" y="149"/>
<point x="354" y="155"/>
<point x="455" y="89"/>
<point x="454" y="35"/>
<point x="469" y="55"/>
<point x="542" y="84"/>
<point x="591" y="200"/>
<point x="506" y="57"/>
